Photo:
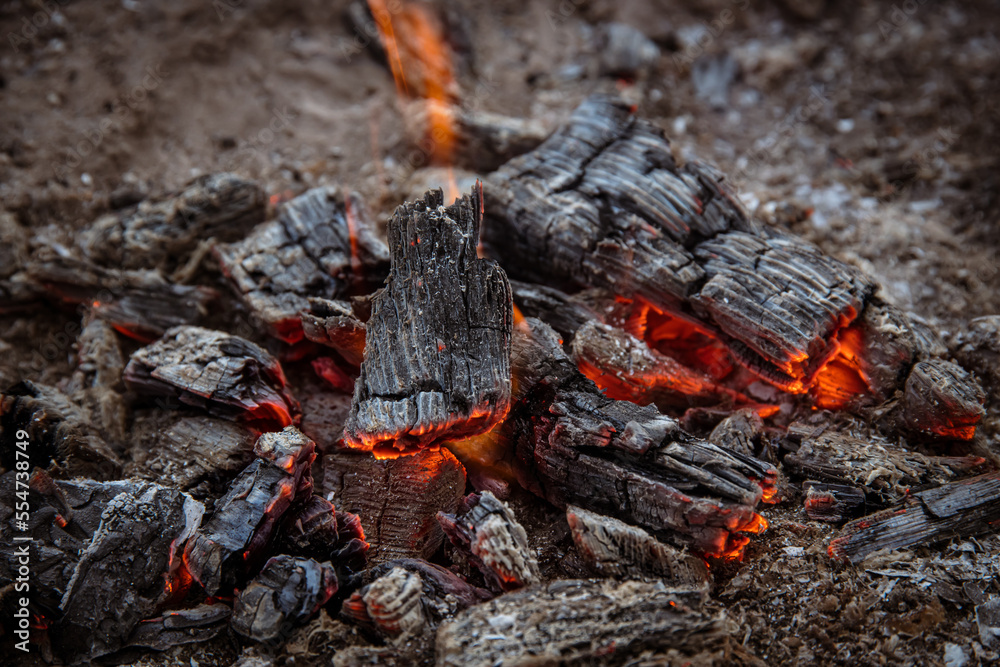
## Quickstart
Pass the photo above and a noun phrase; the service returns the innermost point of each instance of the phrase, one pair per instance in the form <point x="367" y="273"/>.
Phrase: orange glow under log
<point x="841" y="379"/>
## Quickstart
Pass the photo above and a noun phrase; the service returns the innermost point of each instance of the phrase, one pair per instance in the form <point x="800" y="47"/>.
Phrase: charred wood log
<point x="322" y="244"/>
<point x="408" y="596"/>
<point x="576" y="622"/>
<point x="496" y="542"/>
<point x="832" y="502"/>
<point x="886" y="471"/>
<point x="227" y="375"/>
<point x="963" y="508"/>
<point x="335" y="324"/>
<point x="397" y="500"/>
<point x="612" y="548"/>
<point x="61" y="432"/>
<point x="157" y="233"/>
<point x="576" y="446"/>
<point x="235" y="539"/>
<point x="286" y="593"/>
<point x="181" y="626"/>
<point x="126" y="570"/>
<point x="437" y="354"/>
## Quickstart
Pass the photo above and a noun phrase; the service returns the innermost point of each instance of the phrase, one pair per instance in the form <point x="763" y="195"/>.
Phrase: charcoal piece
<point x="181" y="626"/>
<point x="286" y="593"/>
<point x="890" y="347"/>
<point x="557" y="309"/>
<point x="407" y="596"/>
<point x="317" y="530"/>
<point x="437" y="356"/>
<point x="573" y="445"/>
<point x="397" y="500"/>
<point x="603" y="203"/>
<point x="334" y="324"/>
<point x="964" y="508"/>
<point x="141" y="304"/>
<point x="195" y="451"/>
<point x="323" y="416"/>
<point x="886" y="471"/>
<point x="739" y="432"/>
<point x="234" y="540"/>
<point x="159" y="233"/>
<point x="577" y="622"/>
<point x="488" y="531"/>
<point x="612" y="548"/>
<point x="978" y="348"/>
<point x="96" y="383"/>
<point x="942" y="399"/>
<point x="61" y="433"/>
<point x="627" y="369"/>
<point x="322" y="244"/>
<point x="125" y="571"/>
<point x="226" y="375"/>
<point x="832" y="502"/>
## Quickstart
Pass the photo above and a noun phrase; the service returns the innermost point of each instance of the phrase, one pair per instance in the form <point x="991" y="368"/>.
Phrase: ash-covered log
<point x="397" y="500"/>
<point x="961" y="509"/>
<point x="487" y="530"/>
<point x="181" y="626"/>
<point x="126" y="571"/>
<point x="235" y="539"/>
<point x="160" y="233"/>
<point x="603" y="202"/>
<point x="322" y="244"/>
<point x="612" y="548"/>
<point x="576" y="446"/>
<point x="226" y="375"/>
<point x="577" y="622"/>
<point x="286" y="593"/>
<point x="437" y="353"/>
<point x="408" y="596"/>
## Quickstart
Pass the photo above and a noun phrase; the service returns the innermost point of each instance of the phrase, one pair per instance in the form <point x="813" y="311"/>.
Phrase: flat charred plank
<point x="496" y="542"/>
<point x="576" y="622"/>
<point x="612" y="548"/>
<point x="234" y="540"/>
<point x="286" y="593"/>
<point x="397" y="499"/>
<point x="573" y="445"/>
<point x="437" y="353"/>
<point x="961" y="509"/>
<point x="160" y="233"/>
<point x="123" y="574"/>
<point x="322" y="244"/>
<point x="226" y="375"/>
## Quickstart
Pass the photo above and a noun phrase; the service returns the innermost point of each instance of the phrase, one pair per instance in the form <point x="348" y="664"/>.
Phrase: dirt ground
<point x="869" y="128"/>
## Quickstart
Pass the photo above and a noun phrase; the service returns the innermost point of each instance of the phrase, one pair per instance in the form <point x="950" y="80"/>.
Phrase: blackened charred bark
<point x="437" y="353"/>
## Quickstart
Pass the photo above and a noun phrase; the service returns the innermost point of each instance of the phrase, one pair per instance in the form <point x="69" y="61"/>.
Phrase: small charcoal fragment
<point x="943" y="399"/>
<point x="181" y="626"/>
<point x="317" y="530"/>
<point x="335" y="324"/>
<point x="832" y="502"/>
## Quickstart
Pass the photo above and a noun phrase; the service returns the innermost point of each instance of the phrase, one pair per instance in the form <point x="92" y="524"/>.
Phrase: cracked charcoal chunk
<point x="437" y="355"/>
<point x="576" y="622"/>
<point x="322" y="244"/>
<point x="286" y="593"/>
<point x="575" y="446"/>
<point x="405" y="597"/>
<point x="181" y="626"/>
<point x="317" y="530"/>
<point x="964" y="508"/>
<point x="124" y="573"/>
<point x="487" y="529"/>
<point x="942" y="399"/>
<point x="227" y="375"/>
<point x="397" y="500"/>
<point x="234" y="540"/>
<point x="739" y="432"/>
<point x="603" y="203"/>
<point x="158" y="233"/>
<point x="335" y="324"/>
<point x="612" y="548"/>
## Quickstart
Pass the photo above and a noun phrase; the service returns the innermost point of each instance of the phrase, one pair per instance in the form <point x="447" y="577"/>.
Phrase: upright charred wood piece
<point x="487" y="529"/>
<point x="964" y="508"/>
<point x="437" y="354"/>
<point x="233" y="541"/>
<point x="227" y="375"/>
<point x="156" y="233"/>
<point x="397" y="500"/>
<point x="322" y="244"/>
<point x="576" y="622"/>
<point x="286" y="593"/>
